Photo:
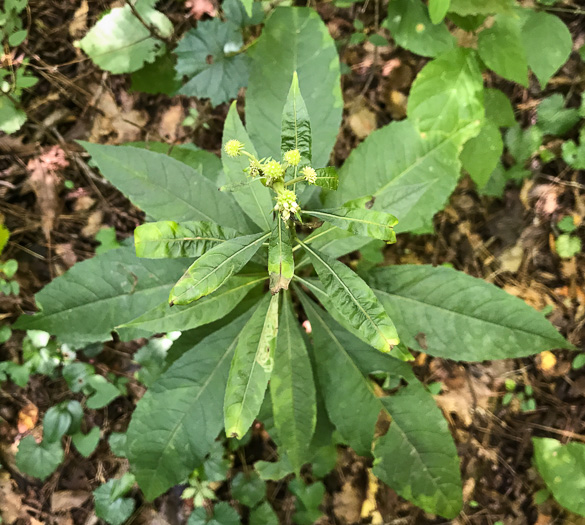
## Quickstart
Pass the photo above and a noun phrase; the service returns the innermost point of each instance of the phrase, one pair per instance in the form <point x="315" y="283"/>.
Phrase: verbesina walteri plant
<point x="266" y="250"/>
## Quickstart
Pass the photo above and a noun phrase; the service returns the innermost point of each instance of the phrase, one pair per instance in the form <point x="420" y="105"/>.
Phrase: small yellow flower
<point x="310" y="175"/>
<point x="233" y="148"/>
<point x="293" y="157"/>
<point x="273" y="170"/>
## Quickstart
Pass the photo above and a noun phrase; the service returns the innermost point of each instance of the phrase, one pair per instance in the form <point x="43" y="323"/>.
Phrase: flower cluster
<point x="292" y="157"/>
<point x="286" y="204"/>
<point x="233" y="148"/>
<point x="310" y="175"/>
<point x="273" y="171"/>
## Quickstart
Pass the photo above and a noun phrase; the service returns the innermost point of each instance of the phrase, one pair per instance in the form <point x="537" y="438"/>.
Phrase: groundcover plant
<point x="237" y="271"/>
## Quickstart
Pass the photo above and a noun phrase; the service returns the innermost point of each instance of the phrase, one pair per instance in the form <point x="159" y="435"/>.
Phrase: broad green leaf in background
<point x="254" y="198"/>
<point x="411" y="27"/>
<point x="80" y="311"/>
<point x="294" y="39"/>
<point x="547" y="43"/>
<point x="417" y="456"/>
<point x="501" y="48"/>
<point x="164" y="318"/>
<point x="215" y="267"/>
<point x="481" y="154"/>
<point x="236" y="13"/>
<point x="109" y="503"/>
<point x="409" y="175"/>
<point x="221" y="77"/>
<point x="251" y="368"/>
<point x="292" y="389"/>
<point x="498" y="108"/>
<point x="296" y="124"/>
<point x="169" y="240"/>
<point x="281" y="264"/>
<point x="166" y="188"/>
<point x="447" y="95"/>
<point x="166" y="438"/>
<point x="363" y="222"/>
<point x="86" y="443"/>
<point x="461" y="317"/>
<point x="248" y="489"/>
<point x="354" y="300"/>
<point x="158" y="77"/>
<point x="553" y="118"/>
<point x="38" y="460"/>
<point x="523" y="143"/>
<point x="563" y="469"/>
<point x="263" y="515"/>
<point x="120" y="43"/>
<point x="438" y="10"/>
<point x="481" y="7"/>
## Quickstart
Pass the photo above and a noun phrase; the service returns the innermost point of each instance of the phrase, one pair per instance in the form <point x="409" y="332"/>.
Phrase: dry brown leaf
<point x="11" y="506"/>
<point x="170" y="123"/>
<point x="347" y="503"/>
<point x="362" y="122"/>
<point x="78" y="25"/>
<point x="83" y="202"/>
<point x="396" y="104"/>
<point x="547" y="361"/>
<point x="511" y="259"/>
<point x="94" y="224"/>
<point x="27" y="418"/>
<point x="198" y="8"/>
<point x="65" y="251"/>
<point x="68" y="499"/>
<point x="369" y="505"/>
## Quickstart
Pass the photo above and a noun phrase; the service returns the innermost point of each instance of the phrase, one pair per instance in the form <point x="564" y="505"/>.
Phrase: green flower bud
<point x="273" y="170"/>
<point x="310" y="175"/>
<point x="286" y="204"/>
<point x="293" y="157"/>
<point x="233" y="148"/>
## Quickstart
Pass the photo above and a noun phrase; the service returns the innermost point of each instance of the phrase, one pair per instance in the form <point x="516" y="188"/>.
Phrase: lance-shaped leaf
<point x="327" y="178"/>
<point x="215" y="267"/>
<point x="463" y="318"/>
<point x="167" y="437"/>
<point x="168" y="239"/>
<point x="251" y="368"/>
<point x="87" y="302"/>
<point x="254" y="198"/>
<point x="281" y="264"/>
<point x="164" y="318"/>
<point x="417" y="457"/>
<point x="366" y="223"/>
<point x="166" y="188"/>
<point x="292" y="389"/>
<point x="354" y="299"/>
<point x="296" y="125"/>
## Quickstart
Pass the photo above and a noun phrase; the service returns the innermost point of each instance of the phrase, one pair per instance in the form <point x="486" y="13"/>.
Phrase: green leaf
<point x="120" y="43"/>
<point x="417" y="457"/>
<point x="207" y="56"/>
<point x="438" y="10"/>
<point x="107" y="239"/>
<point x="254" y="198"/>
<point x="166" y="439"/>
<point x="158" y="77"/>
<point x="481" y="154"/>
<point x="481" y="7"/>
<point x="281" y="264"/>
<point x="4" y="236"/>
<point x="248" y="6"/>
<point x="263" y="515"/>
<point x="274" y="470"/>
<point x="498" y="108"/>
<point x="56" y="423"/>
<point x="568" y="245"/>
<point x="547" y="43"/>
<point x="117" y="442"/>
<point x="447" y="94"/>
<point x="354" y="300"/>
<point x="293" y="390"/>
<point x="553" y="118"/>
<point x="501" y="48"/>
<point x="223" y="514"/>
<point x="168" y="239"/>
<point x="327" y="178"/>
<point x="104" y="392"/>
<point x="215" y="267"/>
<point x="86" y="443"/>
<point x="11" y="117"/>
<point x="248" y="489"/>
<point x="412" y="28"/>
<point x="294" y="39"/>
<point x="251" y="368"/>
<point x="465" y="319"/>
<point x="164" y="318"/>
<point x="563" y="469"/>
<point x="409" y="175"/>
<point x="309" y="498"/>
<point x="236" y="13"/>
<point x="296" y="125"/>
<point x="109" y="505"/>
<point x="523" y="143"/>
<point x="164" y="187"/>
<point x="86" y="303"/>
<point x="579" y="361"/>
<point x="39" y="461"/>
<point x="366" y="223"/>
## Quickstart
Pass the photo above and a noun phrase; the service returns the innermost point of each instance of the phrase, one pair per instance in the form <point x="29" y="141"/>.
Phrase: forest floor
<point x="55" y="215"/>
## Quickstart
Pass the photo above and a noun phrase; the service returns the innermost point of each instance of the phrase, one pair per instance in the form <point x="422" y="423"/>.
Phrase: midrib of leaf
<point x="348" y="219"/>
<point x="355" y="301"/>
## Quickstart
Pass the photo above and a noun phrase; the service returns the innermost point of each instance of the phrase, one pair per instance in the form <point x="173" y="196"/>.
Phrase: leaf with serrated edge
<point x="465" y="319"/>
<point x="251" y="368"/>
<point x="254" y="198"/>
<point x="215" y="267"/>
<point x="168" y="239"/>
<point x="281" y="264"/>
<point x="177" y="421"/>
<point x="327" y="178"/>
<point x="292" y="389"/>
<point x="296" y="125"/>
<point x="164" y="318"/>
<point x="354" y="299"/>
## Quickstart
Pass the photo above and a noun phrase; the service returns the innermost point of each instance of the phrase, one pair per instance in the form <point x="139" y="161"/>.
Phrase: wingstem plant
<point x="258" y="270"/>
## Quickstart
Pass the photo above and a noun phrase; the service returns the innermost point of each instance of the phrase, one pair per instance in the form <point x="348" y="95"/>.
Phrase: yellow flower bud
<point x="310" y="175"/>
<point x="233" y="148"/>
<point x="293" y="157"/>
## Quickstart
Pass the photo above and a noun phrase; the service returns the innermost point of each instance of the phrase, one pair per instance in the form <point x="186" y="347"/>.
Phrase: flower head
<point x="254" y="168"/>
<point x="310" y="175"/>
<point x="233" y="148"/>
<point x="286" y="204"/>
<point x="293" y="157"/>
<point x="273" y="170"/>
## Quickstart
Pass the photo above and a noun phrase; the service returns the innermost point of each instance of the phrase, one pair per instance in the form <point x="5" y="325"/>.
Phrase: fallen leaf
<point x="511" y="259"/>
<point x="198" y="8"/>
<point x="11" y="505"/>
<point x="170" y="123"/>
<point x="396" y="104"/>
<point x="65" y="251"/>
<point x="94" y="224"/>
<point x="78" y="25"/>
<point x="547" y="361"/>
<point x="68" y="499"/>
<point x="362" y="122"/>
<point x="347" y="503"/>
<point x="27" y="418"/>
<point x="369" y="505"/>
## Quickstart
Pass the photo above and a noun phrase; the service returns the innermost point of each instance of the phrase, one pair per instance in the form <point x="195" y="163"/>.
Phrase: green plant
<point x="524" y="397"/>
<point x="568" y="244"/>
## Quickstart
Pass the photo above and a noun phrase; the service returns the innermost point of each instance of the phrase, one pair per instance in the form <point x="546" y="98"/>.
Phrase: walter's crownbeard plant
<point x="244" y="265"/>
